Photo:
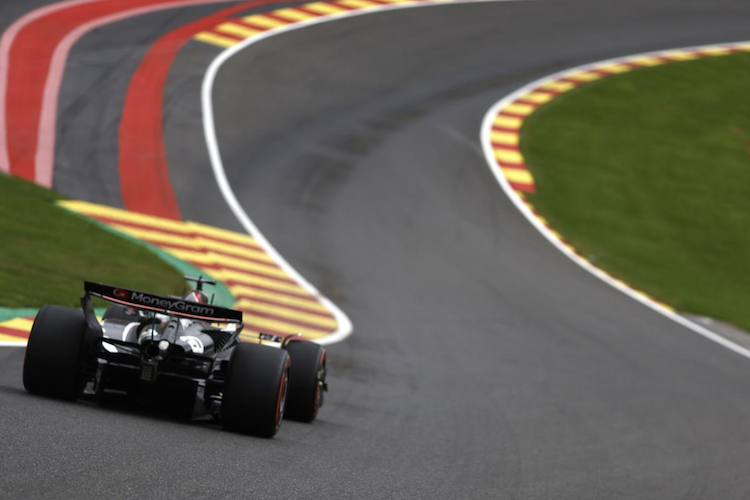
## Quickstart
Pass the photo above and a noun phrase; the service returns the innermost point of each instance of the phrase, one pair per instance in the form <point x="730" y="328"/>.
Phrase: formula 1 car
<point x="180" y="349"/>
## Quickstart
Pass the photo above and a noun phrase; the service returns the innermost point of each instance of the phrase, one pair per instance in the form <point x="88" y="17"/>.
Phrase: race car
<point x="184" y="350"/>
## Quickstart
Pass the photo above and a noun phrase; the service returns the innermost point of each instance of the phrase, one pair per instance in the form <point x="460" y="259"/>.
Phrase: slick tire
<point x="255" y="390"/>
<point x="53" y="363"/>
<point x="306" y="380"/>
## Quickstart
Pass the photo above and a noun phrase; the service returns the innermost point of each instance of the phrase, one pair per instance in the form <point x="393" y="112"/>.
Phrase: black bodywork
<point x="162" y="350"/>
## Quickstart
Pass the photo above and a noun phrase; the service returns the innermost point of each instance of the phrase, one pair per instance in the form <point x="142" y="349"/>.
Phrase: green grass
<point x="46" y="252"/>
<point x="648" y="174"/>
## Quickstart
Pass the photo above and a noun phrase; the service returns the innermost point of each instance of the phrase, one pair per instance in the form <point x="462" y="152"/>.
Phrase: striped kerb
<point x="235" y="30"/>
<point x="507" y="124"/>
<point x="270" y="299"/>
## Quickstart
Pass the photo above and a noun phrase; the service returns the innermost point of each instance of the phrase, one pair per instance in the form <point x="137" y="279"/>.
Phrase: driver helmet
<point x="197" y="296"/>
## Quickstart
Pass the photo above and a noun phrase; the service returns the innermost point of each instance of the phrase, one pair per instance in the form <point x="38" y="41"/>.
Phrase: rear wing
<point x="165" y="305"/>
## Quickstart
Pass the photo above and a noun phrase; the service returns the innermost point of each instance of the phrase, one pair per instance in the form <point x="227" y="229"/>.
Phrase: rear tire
<point x="254" y="398"/>
<point x="54" y="354"/>
<point x="306" y="380"/>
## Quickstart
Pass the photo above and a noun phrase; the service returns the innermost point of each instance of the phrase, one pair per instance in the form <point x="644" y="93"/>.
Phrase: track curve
<point x="485" y="364"/>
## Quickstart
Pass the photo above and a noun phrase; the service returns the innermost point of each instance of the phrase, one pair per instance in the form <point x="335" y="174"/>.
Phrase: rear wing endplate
<point x="164" y="305"/>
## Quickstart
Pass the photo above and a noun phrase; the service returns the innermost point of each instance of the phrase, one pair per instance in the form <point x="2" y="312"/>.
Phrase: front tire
<point x="54" y="355"/>
<point x="254" y="398"/>
<point x="306" y="380"/>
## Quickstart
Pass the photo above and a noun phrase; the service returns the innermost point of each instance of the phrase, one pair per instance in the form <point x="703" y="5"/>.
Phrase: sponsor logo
<point x="121" y="294"/>
<point x="172" y="305"/>
<point x="194" y="342"/>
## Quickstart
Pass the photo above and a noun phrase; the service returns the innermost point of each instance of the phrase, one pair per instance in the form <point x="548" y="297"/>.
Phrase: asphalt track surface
<point x="484" y="364"/>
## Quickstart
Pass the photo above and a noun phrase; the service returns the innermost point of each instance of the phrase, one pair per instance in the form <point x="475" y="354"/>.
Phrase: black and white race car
<point x="184" y="350"/>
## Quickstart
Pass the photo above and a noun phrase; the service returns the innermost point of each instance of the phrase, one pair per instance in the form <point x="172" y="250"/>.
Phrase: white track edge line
<point x="44" y="158"/>
<point x="45" y="143"/>
<point x="534" y="220"/>
<point x="13" y="343"/>
<point x="345" y="325"/>
<point x="6" y="42"/>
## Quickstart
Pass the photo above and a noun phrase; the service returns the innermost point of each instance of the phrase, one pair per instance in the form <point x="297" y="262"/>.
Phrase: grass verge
<point x="47" y="252"/>
<point x="648" y="174"/>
